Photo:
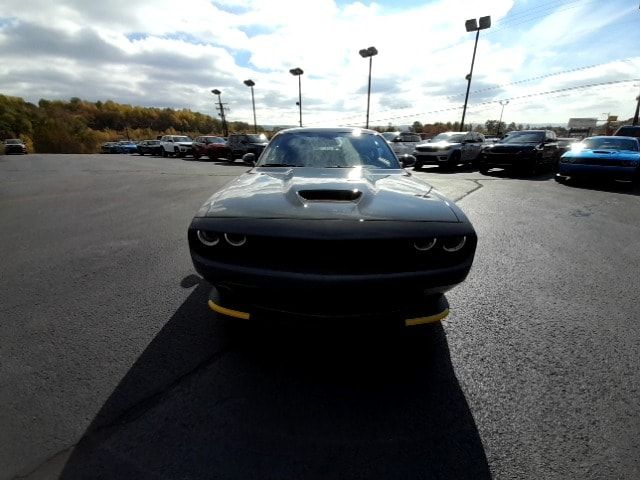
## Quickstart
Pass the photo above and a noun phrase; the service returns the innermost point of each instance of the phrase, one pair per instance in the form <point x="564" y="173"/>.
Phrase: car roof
<point x="327" y="130"/>
<point x="613" y="136"/>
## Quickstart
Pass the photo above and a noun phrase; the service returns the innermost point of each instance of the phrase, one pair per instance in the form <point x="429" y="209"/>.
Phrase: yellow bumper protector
<point x="430" y="319"/>
<point x="228" y="312"/>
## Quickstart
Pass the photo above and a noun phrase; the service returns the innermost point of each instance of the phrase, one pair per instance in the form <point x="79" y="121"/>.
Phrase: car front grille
<point x="334" y="256"/>
<point x="602" y="162"/>
<point x="429" y="149"/>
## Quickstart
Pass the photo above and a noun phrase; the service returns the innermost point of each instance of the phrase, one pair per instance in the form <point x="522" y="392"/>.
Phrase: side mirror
<point x="249" y="158"/>
<point x="407" y="160"/>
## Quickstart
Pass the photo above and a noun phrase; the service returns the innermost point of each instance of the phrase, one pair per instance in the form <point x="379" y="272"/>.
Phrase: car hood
<point x="603" y="154"/>
<point x="330" y="194"/>
<point x="185" y="144"/>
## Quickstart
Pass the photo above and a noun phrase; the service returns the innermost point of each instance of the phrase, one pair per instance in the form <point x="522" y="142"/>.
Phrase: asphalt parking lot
<point x="111" y="365"/>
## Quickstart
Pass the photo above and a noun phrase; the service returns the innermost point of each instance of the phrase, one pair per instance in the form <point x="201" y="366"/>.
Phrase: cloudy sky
<point x="538" y="54"/>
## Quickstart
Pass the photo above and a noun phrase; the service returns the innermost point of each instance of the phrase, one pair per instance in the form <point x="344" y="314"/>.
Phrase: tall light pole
<point x="503" y="103"/>
<point x="225" y="130"/>
<point x="635" y="117"/>
<point x="472" y="26"/>
<point x="297" y="72"/>
<point x="251" y="83"/>
<point x="368" y="53"/>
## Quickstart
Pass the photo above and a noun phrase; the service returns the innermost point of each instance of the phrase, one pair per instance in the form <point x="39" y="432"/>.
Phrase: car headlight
<point x="454" y="244"/>
<point x="425" y="244"/>
<point x="564" y="159"/>
<point x="235" y="240"/>
<point x="208" y="238"/>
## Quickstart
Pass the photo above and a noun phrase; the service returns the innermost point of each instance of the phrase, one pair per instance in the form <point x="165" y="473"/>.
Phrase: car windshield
<point x="181" y="139"/>
<point x="13" y="141"/>
<point x="409" y="138"/>
<point x="214" y="140"/>
<point x="389" y="136"/>
<point x="523" y="137"/>
<point x="261" y="138"/>
<point x="448" y="137"/>
<point x="610" y="143"/>
<point x="328" y="149"/>
<point x="628" y="132"/>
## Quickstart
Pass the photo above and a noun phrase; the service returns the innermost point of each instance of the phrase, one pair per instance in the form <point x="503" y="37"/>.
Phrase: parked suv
<point x="628" y="131"/>
<point x="449" y="149"/>
<point x="404" y="143"/>
<point x="178" y="145"/>
<point x="524" y="149"/>
<point x="241" y="143"/>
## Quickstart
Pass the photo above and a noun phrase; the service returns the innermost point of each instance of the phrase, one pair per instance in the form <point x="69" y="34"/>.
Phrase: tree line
<point x="79" y="126"/>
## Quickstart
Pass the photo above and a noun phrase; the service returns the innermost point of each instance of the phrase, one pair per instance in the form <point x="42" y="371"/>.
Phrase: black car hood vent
<point x="330" y="195"/>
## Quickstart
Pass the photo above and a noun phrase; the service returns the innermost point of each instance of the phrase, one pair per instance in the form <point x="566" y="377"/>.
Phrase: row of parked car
<point x="210" y="146"/>
<point x="531" y="150"/>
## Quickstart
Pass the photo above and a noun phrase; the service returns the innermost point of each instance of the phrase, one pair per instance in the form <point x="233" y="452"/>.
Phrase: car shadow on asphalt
<point x="519" y="175"/>
<point x="464" y="168"/>
<point x="210" y="398"/>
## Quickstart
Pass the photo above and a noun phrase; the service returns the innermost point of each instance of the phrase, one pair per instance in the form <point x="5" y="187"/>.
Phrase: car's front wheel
<point x="164" y="153"/>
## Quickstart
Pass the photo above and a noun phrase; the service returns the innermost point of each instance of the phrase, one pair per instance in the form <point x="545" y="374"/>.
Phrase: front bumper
<point x="416" y="311"/>
<point x="353" y="279"/>
<point x="580" y="170"/>
<point x="432" y="158"/>
<point x="508" y="160"/>
<point x="14" y="149"/>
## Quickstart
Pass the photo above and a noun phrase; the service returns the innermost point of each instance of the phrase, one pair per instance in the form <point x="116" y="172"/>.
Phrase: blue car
<point x="617" y="158"/>
<point x="127" y="146"/>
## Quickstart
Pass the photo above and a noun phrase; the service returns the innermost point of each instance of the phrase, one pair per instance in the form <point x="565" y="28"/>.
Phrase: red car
<point x="210" y="146"/>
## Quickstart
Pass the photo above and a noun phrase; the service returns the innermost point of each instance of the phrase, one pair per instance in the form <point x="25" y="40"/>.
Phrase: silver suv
<point x="404" y="143"/>
<point x="178" y="145"/>
<point x="449" y="149"/>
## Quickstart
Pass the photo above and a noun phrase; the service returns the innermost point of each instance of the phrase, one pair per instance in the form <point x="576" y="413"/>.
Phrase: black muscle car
<point x="524" y="150"/>
<point x="328" y="224"/>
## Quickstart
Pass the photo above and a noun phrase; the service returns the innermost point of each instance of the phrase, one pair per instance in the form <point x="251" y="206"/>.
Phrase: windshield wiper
<point x="277" y="165"/>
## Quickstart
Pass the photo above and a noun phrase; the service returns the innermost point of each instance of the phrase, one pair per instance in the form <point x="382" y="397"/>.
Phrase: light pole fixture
<point x="503" y="103"/>
<point x="297" y="72"/>
<point x="225" y="130"/>
<point x="473" y="25"/>
<point x="251" y="83"/>
<point x="368" y="53"/>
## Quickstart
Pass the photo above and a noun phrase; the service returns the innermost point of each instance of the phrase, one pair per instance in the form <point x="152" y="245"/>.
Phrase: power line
<point x="530" y="95"/>
<point x="496" y="87"/>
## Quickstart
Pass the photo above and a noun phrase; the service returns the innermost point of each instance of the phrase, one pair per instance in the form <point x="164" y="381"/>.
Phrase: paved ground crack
<point x="477" y="187"/>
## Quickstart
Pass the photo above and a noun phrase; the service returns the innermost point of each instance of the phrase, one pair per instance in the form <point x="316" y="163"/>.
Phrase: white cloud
<point x="170" y="53"/>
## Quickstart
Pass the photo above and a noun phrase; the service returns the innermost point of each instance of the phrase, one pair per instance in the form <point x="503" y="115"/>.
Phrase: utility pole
<point x="220" y="108"/>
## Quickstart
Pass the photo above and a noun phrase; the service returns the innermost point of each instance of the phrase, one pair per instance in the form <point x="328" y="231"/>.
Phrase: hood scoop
<point x="604" y="152"/>
<point x="330" y="195"/>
